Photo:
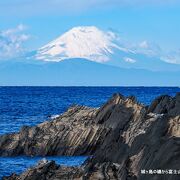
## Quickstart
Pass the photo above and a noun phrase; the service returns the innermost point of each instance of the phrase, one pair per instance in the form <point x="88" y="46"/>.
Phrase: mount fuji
<point x="87" y="56"/>
<point x="81" y="42"/>
<point x="91" y="43"/>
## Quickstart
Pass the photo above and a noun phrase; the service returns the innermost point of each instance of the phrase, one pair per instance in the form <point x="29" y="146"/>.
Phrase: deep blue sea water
<point x="32" y="105"/>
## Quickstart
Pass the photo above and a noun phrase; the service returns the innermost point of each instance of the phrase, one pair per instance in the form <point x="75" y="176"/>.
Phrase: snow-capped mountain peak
<point x="81" y="42"/>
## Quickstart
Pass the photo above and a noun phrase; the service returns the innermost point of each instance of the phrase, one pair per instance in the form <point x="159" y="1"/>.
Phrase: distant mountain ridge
<point x="80" y="72"/>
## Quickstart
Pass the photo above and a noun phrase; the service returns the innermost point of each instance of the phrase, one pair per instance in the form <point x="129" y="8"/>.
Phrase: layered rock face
<point x="72" y="133"/>
<point x="125" y="138"/>
<point x="148" y="141"/>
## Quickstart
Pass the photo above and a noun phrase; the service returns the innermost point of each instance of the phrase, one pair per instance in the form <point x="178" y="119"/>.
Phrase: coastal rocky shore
<point x="127" y="141"/>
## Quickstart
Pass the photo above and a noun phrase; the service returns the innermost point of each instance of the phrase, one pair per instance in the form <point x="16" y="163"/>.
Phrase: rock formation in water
<point x="73" y="133"/>
<point x="126" y="138"/>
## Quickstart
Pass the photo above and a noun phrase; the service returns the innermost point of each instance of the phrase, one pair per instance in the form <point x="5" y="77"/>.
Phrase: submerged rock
<point x="127" y="139"/>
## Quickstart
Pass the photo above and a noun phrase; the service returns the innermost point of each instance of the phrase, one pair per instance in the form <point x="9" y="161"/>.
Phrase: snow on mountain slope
<point x="89" y="42"/>
<point x="81" y="42"/>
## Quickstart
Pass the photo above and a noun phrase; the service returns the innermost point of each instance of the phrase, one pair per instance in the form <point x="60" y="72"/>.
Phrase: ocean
<point x="32" y="105"/>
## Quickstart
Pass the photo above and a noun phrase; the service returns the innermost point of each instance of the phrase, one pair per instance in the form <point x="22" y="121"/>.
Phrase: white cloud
<point x="154" y="50"/>
<point x="172" y="57"/>
<point x="11" y="31"/>
<point x="148" y="48"/>
<point x="12" y="40"/>
<point x="129" y="60"/>
<point x="144" y="44"/>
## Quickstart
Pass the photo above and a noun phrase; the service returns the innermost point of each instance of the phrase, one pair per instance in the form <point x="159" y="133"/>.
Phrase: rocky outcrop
<point x="72" y="133"/>
<point x="149" y="140"/>
<point x="138" y="142"/>
<point x="43" y="170"/>
<point x="50" y="171"/>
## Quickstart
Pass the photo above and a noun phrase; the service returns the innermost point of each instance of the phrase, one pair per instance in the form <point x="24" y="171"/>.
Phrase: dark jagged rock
<point x="136" y="138"/>
<point x="72" y="133"/>
<point x="166" y="105"/>
<point x="44" y="170"/>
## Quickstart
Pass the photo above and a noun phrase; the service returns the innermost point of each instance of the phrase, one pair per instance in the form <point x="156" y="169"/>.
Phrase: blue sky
<point x="43" y="20"/>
